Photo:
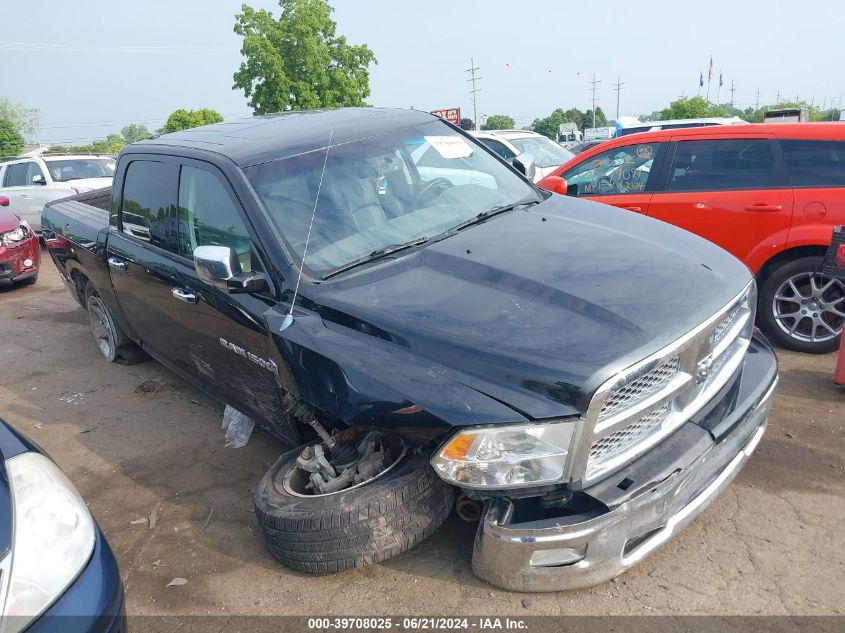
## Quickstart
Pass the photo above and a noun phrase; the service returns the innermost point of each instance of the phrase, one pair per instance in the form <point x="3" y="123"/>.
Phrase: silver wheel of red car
<point x="801" y="309"/>
<point x="102" y="327"/>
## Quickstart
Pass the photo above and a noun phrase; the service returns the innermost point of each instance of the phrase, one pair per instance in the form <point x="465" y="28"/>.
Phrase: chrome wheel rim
<point x="101" y="328"/>
<point x="810" y="308"/>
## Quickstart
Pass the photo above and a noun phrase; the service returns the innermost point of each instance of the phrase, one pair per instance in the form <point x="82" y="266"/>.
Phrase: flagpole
<point x="719" y="92"/>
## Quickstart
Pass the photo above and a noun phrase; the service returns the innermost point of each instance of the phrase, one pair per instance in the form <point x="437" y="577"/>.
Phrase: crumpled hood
<point x="537" y="308"/>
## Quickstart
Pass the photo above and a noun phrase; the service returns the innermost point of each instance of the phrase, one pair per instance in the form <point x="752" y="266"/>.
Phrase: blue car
<point x="57" y="573"/>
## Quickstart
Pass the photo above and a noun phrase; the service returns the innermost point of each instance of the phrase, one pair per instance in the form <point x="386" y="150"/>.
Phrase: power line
<point x="99" y="49"/>
<point x="618" y="88"/>
<point x="472" y="70"/>
<point x="594" y="84"/>
<point x="732" y="96"/>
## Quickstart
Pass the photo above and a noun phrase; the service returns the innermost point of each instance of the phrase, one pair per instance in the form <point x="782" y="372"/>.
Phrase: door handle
<point x="636" y="209"/>
<point x="184" y="295"/>
<point x="116" y="262"/>
<point x="764" y="207"/>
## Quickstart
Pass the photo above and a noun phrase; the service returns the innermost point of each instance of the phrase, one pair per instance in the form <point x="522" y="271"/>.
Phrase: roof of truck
<point x="254" y="140"/>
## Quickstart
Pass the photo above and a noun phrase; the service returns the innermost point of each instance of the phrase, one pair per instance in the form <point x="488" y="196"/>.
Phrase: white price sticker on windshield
<point x="450" y="146"/>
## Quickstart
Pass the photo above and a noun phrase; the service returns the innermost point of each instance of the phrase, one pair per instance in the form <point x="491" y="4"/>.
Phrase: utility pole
<point x="618" y="88"/>
<point x="594" y="84"/>
<point x="732" y="96"/>
<point x="473" y="79"/>
<point x="757" y="103"/>
<point x="777" y="99"/>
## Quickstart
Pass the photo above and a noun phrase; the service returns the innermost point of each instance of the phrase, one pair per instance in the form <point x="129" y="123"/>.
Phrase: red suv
<point x="769" y="194"/>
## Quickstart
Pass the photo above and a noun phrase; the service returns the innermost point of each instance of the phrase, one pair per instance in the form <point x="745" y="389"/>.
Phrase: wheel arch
<point x="790" y="254"/>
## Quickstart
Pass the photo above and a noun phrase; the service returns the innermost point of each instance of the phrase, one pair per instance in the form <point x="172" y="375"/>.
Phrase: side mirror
<point x="525" y="165"/>
<point x="219" y="266"/>
<point x="38" y="180"/>
<point x="4" y="201"/>
<point x="555" y="184"/>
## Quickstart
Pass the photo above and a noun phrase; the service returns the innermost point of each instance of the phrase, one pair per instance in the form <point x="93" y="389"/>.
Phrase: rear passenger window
<point x="15" y="175"/>
<point x="721" y="165"/>
<point x="208" y="216"/>
<point x="815" y="163"/>
<point x="149" y="203"/>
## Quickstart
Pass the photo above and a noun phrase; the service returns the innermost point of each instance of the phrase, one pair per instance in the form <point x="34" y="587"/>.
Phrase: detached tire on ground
<point x="801" y="310"/>
<point x="355" y="527"/>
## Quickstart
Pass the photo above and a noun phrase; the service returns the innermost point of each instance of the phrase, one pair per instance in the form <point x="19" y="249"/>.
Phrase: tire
<point x="352" y="528"/>
<point x="112" y="342"/>
<point x="30" y="281"/>
<point x="817" y="302"/>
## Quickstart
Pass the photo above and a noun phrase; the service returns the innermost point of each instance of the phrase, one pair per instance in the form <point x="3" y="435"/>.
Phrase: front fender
<point x="367" y="382"/>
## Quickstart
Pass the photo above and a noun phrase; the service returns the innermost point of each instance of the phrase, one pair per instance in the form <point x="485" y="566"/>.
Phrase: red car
<point x="768" y="194"/>
<point x="20" y="254"/>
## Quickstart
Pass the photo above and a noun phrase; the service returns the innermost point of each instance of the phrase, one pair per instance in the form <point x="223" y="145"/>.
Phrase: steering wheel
<point x="436" y="187"/>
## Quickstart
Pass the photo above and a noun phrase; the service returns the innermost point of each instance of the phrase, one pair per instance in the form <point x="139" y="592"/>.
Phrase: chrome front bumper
<point x="533" y="556"/>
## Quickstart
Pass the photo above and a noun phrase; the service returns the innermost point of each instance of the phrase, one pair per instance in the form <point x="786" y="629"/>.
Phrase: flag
<point x="710" y="70"/>
<point x="720" y="78"/>
<point x="700" y="79"/>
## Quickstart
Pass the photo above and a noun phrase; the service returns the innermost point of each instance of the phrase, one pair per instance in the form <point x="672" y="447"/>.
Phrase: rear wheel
<point x="801" y="309"/>
<point x="112" y="342"/>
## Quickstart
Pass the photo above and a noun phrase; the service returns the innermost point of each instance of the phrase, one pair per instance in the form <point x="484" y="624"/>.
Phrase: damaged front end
<point x="341" y="462"/>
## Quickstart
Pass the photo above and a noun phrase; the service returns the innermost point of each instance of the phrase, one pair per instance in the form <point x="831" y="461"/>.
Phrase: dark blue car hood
<point x="537" y="308"/>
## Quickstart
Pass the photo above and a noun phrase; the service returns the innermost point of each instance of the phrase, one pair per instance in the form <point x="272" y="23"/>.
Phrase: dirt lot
<point x="137" y="440"/>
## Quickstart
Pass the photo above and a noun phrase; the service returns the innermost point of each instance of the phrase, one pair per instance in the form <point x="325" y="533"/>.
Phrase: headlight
<point x="53" y="538"/>
<point x="17" y="235"/>
<point x="507" y="456"/>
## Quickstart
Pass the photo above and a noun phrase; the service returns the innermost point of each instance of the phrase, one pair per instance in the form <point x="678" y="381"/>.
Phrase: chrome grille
<point x="646" y="402"/>
<point x="641" y="388"/>
<point x="726" y="323"/>
<point x="618" y="442"/>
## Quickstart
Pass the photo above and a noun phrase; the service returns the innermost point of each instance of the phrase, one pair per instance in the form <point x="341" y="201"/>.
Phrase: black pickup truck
<point x="378" y="289"/>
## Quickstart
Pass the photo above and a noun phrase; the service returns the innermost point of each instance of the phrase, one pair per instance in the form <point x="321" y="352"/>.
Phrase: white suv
<point x="508" y="144"/>
<point x="30" y="183"/>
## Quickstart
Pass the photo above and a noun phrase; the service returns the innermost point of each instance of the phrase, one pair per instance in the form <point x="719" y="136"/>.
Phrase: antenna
<point x="289" y="316"/>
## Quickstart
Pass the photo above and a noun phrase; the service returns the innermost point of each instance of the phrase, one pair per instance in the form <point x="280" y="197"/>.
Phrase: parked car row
<point x="768" y="194"/>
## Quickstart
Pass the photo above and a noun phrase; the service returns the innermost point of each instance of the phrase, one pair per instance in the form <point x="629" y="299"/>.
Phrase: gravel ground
<point x="138" y="440"/>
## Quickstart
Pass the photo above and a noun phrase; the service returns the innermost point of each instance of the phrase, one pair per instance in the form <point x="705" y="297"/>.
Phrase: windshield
<point x="546" y="152"/>
<point x="77" y="168"/>
<point x="381" y="191"/>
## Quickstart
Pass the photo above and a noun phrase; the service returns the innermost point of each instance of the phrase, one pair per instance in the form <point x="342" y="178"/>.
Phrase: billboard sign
<point x="452" y="115"/>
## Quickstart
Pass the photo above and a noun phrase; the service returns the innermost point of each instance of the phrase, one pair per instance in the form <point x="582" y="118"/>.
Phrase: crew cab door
<point x="207" y="335"/>
<point x="729" y="189"/>
<point x="623" y="176"/>
<point x="27" y="198"/>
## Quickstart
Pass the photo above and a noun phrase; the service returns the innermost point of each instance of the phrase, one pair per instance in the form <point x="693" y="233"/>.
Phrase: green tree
<point x="298" y="61"/>
<point x="550" y="125"/>
<point x="134" y="132"/>
<point x="11" y="141"/>
<point x="466" y="124"/>
<point x="499" y="122"/>
<point x="692" y="108"/>
<point x="26" y="121"/>
<point x="587" y="119"/>
<point x="182" y="119"/>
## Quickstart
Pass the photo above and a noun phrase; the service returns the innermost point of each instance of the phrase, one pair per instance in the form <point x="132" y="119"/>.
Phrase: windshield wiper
<point x="484" y="215"/>
<point x="384" y="251"/>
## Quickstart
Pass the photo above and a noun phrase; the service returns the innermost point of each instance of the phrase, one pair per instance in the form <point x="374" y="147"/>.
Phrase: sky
<point x="93" y="66"/>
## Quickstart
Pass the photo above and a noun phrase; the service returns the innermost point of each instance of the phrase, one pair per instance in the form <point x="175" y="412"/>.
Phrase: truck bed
<point x="75" y="230"/>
